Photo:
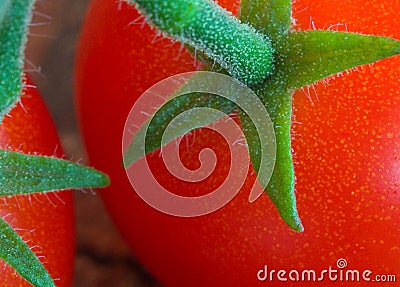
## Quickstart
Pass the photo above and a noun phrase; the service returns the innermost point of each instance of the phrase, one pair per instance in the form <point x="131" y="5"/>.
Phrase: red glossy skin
<point x="346" y="149"/>
<point x="45" y="221"/>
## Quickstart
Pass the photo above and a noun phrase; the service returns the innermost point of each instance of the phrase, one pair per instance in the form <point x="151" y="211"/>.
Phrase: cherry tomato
<point x="346" y="145"/>
<point x="44" y="221"/>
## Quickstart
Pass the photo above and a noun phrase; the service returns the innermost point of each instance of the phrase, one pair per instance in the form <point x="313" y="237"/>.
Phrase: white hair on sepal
<point x="140" y="20"/>
<point x="309" y="91"/>
<point x="32" y="68"/>
<point x="58" y="197"/>
<point x="47" y="195"/>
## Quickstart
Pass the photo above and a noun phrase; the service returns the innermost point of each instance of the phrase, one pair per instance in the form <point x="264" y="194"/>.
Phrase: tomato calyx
<point x="301" y="58"/>
<point x="21" y="173"/>
<point x="25" y="174"/>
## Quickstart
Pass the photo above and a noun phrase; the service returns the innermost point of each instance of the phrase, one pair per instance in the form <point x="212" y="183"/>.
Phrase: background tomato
<point x="346" y="147"/>
<point x="45" y="221"/>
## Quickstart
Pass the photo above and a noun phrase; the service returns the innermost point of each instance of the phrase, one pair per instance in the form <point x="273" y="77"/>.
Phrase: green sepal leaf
<point x="23" y="174"/>
<point x="18" y="255"/>
<point x="152" y="131"/>
<point x="15" y="17"/>
<point x="302" y="58"/>
<point x="280" y="189"/>
<point x="4" y="6"/>
<point x="272" y="18"/>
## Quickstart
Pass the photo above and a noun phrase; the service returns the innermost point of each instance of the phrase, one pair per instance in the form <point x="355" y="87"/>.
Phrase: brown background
<point x="102" y="257"/>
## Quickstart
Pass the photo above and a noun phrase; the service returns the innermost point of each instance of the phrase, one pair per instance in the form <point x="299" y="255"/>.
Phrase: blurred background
<point x="102" y="257"/>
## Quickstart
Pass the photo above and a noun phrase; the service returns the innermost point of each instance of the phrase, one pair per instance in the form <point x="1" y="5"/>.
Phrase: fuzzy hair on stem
<point x="239" y="48"/>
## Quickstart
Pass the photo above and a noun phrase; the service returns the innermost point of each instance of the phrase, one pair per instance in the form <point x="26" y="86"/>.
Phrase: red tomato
<point x="45" y="221"/>
<point x="347" y="153"/>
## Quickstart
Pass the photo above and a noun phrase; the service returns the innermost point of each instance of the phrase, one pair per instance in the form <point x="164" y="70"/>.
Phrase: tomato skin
<point x="347" y="154"/>
<point x="45" y="221"/>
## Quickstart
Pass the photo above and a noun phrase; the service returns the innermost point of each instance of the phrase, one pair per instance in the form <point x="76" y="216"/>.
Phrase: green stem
<point x="240" y="49"/>
<point x="271" y="17"/>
